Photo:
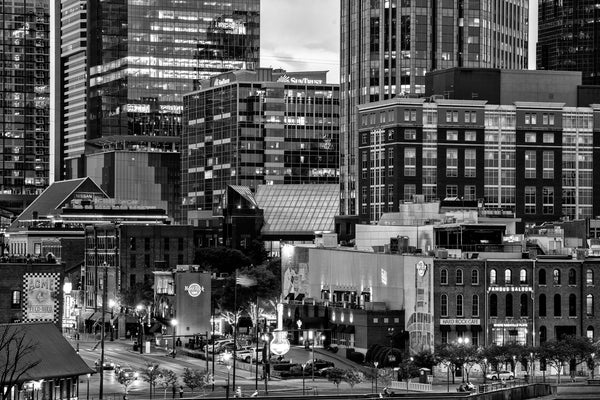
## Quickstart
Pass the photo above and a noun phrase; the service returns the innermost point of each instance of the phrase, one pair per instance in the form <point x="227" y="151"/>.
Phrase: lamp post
<point x="138" y="310"/>
<point x="532" y="367"/>
<point x="227" y="358"/>
<point x="174" y="325"/>
<point x="463" y="342"/>
<point x="376" y="364"/>
<point x="303" y="379"/>
<point x="266" y="358"/>
<point x="111" y="304"/>
<point x="484" y="370"/>
<point x="593" y="364"/>
<point x="87" y="393"/>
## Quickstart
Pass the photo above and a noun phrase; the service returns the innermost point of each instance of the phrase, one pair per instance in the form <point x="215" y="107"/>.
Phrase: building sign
<point x="219" y="82"/>
<point x="170" y="108"/>
<point x="460" y="321"/>
<point x="194" y="289"/>
<point x="299" y="80"/>
<point x="510" y="289"/>
<point x="419" y="323"/>
<point x="138" y="108"/>
<point x="511" y="325"/>
<point x="41" y="297"/>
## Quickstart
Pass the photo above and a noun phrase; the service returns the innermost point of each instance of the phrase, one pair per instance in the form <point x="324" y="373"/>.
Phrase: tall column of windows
<point x="377" y="174"/>
<point x="577" y="163"/>
<point x="429" y="180"/>
<point x="499" y="156"/>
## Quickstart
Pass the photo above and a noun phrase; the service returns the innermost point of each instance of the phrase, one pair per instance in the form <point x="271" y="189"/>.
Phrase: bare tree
<point x="167" y="379"/>
<point x="17" y="357"/>
<point x="150" y="374"/>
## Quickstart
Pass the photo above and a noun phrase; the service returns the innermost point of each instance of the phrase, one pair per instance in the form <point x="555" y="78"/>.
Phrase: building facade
<point x="25" y="105"/>
<point x="471" y="150"/>
<point x="388" y="46"/>
<point x="257" y="127"/>
<point x="124" y="66"/>
<point x="569" y="37"/>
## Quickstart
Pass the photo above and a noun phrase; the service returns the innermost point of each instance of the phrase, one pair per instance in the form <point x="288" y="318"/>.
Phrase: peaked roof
<point x="246" y="193"/>
<point x="54" y="197"/>
<point x="45" y="353"/>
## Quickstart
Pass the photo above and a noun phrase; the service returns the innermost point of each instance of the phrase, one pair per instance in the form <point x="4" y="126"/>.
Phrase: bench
<point x="593" y="381"/>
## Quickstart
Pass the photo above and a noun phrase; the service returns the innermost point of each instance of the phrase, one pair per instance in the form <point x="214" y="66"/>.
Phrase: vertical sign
<point x="41" y="297"/>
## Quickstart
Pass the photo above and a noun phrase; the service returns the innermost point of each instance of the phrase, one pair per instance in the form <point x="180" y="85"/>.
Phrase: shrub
<point x="357" y="357"/>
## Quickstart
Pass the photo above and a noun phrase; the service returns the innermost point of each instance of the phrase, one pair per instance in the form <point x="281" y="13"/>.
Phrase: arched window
<point x="523" y="276"/>
<point x="474" y="277"/>
<point x="556" y="277"/>
<point x="444" y="276"/>
<point x="459" y="276"/>
<point x="572" y="277"/>
<point x="589" y="333"/>
<point x="523" y="304"/>
<point x="589" y="277"/>
<point x="475" y="306"/>
<point x="509" y="305"/>
<point x="444" y="305"/>
<point x="557" y="306"/>
<point x="589" y="305"/>
<point x="542" y="277"/>
<point x="493" y="305"/>
<point x="543" y="334"/>
<point x="572" y="305"/>
<point x="459" y="305"/>
<point x="507" y="276"/>
<point x="493" y="277"/>
<point x="542" y="305"/>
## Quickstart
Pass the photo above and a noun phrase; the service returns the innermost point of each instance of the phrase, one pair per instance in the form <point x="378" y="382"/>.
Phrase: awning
<point x="290" y="296"/>
<point x="461" y="328"/>
<point x="300" y="297"/>
<point x="350" y="329"/>
<point x="341" y="328"/>
<point x="445" y="328"/>
<point x="476" y="328"/>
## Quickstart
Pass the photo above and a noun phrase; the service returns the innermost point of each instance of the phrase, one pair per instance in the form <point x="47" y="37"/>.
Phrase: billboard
<point x="41" y="297"/>
<point x="192" y="302"/>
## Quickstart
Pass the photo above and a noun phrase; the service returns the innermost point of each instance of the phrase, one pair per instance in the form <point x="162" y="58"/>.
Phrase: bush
<point x="283" y="367"/>
<point x="333" y="349"/>
<point x="357" y="357"/>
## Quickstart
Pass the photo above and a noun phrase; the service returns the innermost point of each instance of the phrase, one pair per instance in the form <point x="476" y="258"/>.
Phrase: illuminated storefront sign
<point x="138" y="108"/>
<point x="41" y="297"/>
<point x="460" y="321"/>
<point x="511" y="325"/>
<point x="170" y="108"/>
<point x="219" y="82"/>
<point x="510" y="289"/>
<point x="194" y="289"/>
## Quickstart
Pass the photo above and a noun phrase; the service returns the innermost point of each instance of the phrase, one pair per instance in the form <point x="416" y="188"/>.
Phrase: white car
<point x="248" y="354"/>
<point x="218" y="345"/>
<point x="499" y="375"/>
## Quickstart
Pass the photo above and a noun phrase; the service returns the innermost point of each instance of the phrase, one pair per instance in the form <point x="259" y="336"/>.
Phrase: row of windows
<point x="166" y="243"/>
<point x="523" y="277"/>
<point x="523" y="305"/>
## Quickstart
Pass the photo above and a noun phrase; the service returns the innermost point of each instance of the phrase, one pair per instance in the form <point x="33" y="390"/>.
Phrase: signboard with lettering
<point x="192" y="301"/>
<point x="299" y="80"/>
<point x="41" y="297"/>
<point x="460" y="321"/>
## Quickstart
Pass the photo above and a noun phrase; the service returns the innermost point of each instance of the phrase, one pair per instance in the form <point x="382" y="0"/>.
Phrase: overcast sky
<point x="304" y="35"/>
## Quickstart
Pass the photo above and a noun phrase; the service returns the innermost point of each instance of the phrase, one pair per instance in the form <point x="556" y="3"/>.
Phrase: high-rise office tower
<point x="569" y="37"/>
<point x="388" y="45"/>
<point x="25" y="101"/>
<point x="125" y="77"/>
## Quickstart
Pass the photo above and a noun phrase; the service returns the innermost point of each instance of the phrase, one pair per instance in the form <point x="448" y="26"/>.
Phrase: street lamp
<point x="266" y="358"/>
<point x="87" y="393"/>
<point x="532" y="367"/>
<point x="463" y="342"/>
<point x="484" y="370"/>
<point x="593" y="363"/>
<point x="226" y="359"/>
<point x="138" y="309"/>
<point x="174" y="325"/>
<point x="303" y="380"/>
<point x="111" y="304"/>
<point x="376" y="364"/>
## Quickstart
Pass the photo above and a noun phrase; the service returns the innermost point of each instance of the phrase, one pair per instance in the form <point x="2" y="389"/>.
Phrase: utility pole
<point x="102" y="329"/>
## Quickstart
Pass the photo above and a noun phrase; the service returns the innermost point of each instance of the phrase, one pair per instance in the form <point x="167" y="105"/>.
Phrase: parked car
<point x="218" y="345"/>
<point x="127" y="373"/>
<point x="323" y="371"/>
<point x="249" y="354"/>
<point x="319" y="365"/>
<point x="498" y="375"/>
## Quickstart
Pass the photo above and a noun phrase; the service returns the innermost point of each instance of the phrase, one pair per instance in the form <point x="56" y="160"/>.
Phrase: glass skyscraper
<point x="259" y="127"/>
<point x="140" y="57"/>
<point x="24" y="101"/>
<point x="569" y="37"/>
<point x="387" y="46"/>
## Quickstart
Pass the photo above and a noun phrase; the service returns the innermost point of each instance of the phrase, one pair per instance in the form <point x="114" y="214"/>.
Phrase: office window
<point x="548" y="138"/>
<point x="410" y="134"/>
<point x="493" y="277"/>
<point x="15" y="299"/>
<point x="548" y="200"/>
<point x="390" y="156"/>
<point x="166" y="244"/>
<point x="475" y="306"/>
<point x="409" y="192"/>
<point x="524" y="309"/>
<point x="470" y="116"/>
<point x="542" y="277"/>
<point x="548" y="164"/>
<point x="507" y="276"/>
<point x="410" y="161"/>
<point x="444" y="305"/>
<point x="589" y="277"/>
<point x="147" y="260"/>
<point x="547" y="119"/>
<point x="132" y="261"/>
<point x="530" y="164"/>
<point x="470" y="136"/>
<point x="474" y="277"/>
<point x="459" y="276"/>
<point x="470" y="192"/>
<point x="530" y="119"/>
<point x="542" y="305"/>
<point x="508" y="305"/>
<point x="390" y="196"/>
<point x="459" y="305"/>
<point x="572" y="277"/>
<point x="470" y="163"/>
<point x="451" y="162"/>
<point x="557" y="306"/>
<point x="444" y="337"/>
<point x="444" y="276"/>
<point x="530" y="199"/>
<point x="146" y="244"/>
<point x="364" y="138"/>
<point x="451" y="191"/>
<point x="589" y="305"/>
<point x="180" y="244"/>
<point x="132" y="243"/>
<point x="530" y="137"/>
<point x="452" y="135"/>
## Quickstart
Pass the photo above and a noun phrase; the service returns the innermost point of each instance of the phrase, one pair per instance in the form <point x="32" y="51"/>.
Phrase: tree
<point x="336" y="375"/>
<point x="424" y="359"/>
<point x="141" y="292"/>
<point x="221" y="259"/>
<point x="256" y="252"/>
<point x="194" y="378"/>
<point x="556" y="353"/>
<point x="167" y="379"/>
<point x="17" y="357"/>
<point x="125" y="382"/>
<point x="353" y="377"/>
<point x="150" y="374"/>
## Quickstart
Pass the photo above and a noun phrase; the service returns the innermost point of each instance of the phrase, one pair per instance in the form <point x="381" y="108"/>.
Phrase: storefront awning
<point x="300" y="297"/>
<point x="461" y="328"/>
<point x="476" y="328"/>
<point x="445" y="328"/>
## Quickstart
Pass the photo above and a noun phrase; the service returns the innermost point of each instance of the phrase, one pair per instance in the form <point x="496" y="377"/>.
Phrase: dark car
<point x="319" y="366"/>
<point x="108" y="364"/>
